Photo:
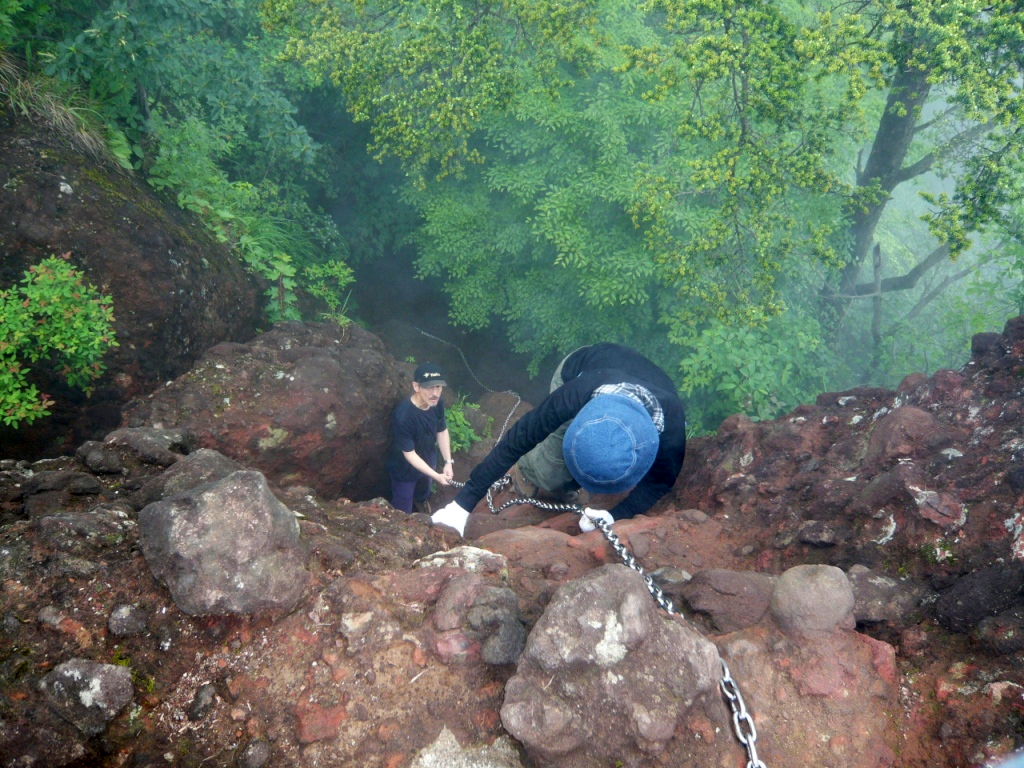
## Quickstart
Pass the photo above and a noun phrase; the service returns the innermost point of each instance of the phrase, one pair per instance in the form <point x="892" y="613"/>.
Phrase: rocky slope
<point x="853" y="562"/>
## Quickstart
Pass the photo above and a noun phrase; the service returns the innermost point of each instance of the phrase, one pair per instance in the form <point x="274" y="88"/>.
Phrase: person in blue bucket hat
<point x="613" y="422"/>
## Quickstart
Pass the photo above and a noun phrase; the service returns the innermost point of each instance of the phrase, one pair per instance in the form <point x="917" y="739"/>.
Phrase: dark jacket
<point x="584" y="371"/>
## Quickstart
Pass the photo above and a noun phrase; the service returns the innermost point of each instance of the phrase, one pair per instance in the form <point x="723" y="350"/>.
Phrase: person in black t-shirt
<point x="418" y="430"/>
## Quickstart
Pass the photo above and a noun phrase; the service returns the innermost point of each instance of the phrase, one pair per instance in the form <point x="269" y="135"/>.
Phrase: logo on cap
<point x="429" y="375"/>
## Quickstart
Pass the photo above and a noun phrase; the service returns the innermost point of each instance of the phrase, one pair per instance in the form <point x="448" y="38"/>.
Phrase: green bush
<point x="53" y="314"/>
<point x="460" y="430"/>
<point x="327" y="282"/>
<point x="762" y="372"/>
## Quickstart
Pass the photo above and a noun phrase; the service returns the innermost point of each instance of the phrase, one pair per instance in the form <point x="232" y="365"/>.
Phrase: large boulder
<point x="176" y="291"/>
<point x="226" y="547"/>
<point x="305" y="403"/>
<point x="605" y="677"/>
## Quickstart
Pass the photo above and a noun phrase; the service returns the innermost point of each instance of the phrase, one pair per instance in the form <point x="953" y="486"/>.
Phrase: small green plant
<point x="281" y="293"/>
<point x="938" y="553"/>
<point x="327" y="282"/>
<point x="53" y="314"/>
<point x="460" y="430"/>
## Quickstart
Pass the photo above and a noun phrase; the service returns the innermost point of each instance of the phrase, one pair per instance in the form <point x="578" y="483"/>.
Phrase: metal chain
<point x="741" y="718"/>
<point x="629" y="560"/>
<point x="506" y="481"/>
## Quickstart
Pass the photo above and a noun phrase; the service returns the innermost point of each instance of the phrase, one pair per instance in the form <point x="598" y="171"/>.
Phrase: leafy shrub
<point x="460" y="430"/>
<point x="760" y="372"/>
<point x="327" y="282"/>
<point x="52" y="314"/>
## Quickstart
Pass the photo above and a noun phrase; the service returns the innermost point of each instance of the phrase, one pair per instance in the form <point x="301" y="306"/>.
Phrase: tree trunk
<point x="884" y="169"/>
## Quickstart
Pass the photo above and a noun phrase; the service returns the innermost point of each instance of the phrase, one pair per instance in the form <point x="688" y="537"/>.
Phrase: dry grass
<point x="44" y="101"/>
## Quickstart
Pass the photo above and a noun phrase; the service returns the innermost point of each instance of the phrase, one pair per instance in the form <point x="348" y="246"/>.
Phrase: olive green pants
<point x="544" y="466"/>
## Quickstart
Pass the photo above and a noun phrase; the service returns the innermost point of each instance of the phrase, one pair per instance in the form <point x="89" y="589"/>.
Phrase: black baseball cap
<point x="429" y="375"/>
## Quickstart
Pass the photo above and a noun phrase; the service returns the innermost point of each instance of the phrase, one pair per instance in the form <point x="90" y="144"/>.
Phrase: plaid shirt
<point x="641" y="395"/>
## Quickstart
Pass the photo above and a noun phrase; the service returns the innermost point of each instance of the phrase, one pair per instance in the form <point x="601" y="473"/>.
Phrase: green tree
<point x="425" y="74"/>
<point x="598" y="216"/>
<point x="952" y="74"/>
<point x="689" y="172"/>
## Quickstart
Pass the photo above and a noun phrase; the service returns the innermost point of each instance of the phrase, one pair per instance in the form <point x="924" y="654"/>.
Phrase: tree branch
<point x="927" y="299"/>
<point x="916" y="169"/>
<point x="938" y="118"/>
<point x="907" y="281"/>
<point x="925" y="163"/>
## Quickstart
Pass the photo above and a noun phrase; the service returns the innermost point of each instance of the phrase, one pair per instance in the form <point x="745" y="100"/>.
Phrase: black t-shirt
<point x="413" y="429"/>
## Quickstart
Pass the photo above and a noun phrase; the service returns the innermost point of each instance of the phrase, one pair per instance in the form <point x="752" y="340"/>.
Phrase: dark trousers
<point x="406" y="492"/>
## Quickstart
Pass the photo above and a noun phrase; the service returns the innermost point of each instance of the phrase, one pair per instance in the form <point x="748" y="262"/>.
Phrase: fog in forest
<point x="770" y="201"/>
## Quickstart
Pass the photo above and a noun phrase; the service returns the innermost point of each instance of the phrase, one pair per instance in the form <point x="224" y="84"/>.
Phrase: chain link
<point x="627" y="558"/>
<point x="741" y="718"/>
<point x="743" y="723"/>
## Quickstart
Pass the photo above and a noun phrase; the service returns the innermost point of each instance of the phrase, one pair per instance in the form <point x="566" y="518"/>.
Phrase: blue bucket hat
<point x="610" y="445"/>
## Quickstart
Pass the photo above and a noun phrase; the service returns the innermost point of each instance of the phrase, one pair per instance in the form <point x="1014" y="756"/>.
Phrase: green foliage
<point x="52" y="315"/>
<point x="276" y="236"/>
<point x="745" y="370"/>
<point x="603" y="213"/>
<point x="460" y="430"/>
<point x="18" y="17"/>
<point x="135" y="58"/>
<point x="328" y="282"/>
<point x="426" y="73"/>
<point x="8" y="10"/>
<point x="281" y="293"/>
<point x="700" y="179"/>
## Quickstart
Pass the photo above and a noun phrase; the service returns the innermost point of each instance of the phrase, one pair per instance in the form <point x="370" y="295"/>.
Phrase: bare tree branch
<point x="907" y="281"/>
<point x="931" y="295"/>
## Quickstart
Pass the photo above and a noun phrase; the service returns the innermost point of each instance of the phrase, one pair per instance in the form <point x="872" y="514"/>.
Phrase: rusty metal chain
<point x="743" y="723"/>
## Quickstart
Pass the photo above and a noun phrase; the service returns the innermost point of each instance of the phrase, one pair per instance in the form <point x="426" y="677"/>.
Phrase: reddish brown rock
<point x="176" y="291"/>
<point x="317" y="722"/>
<point x="305" y="403"/>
